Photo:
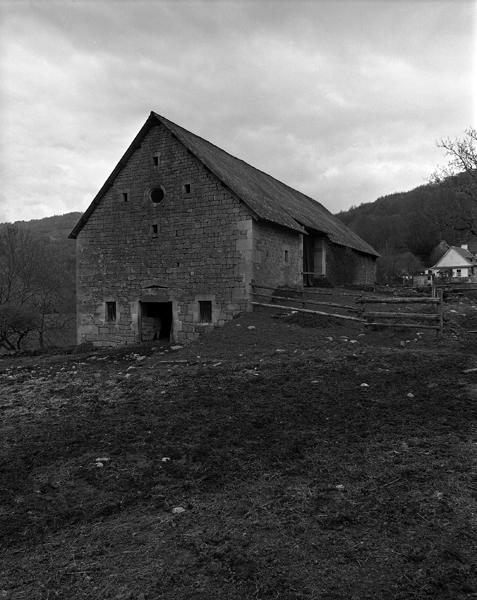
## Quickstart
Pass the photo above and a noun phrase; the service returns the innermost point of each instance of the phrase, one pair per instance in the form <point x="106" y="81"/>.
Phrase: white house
<point x="457" y="262"/>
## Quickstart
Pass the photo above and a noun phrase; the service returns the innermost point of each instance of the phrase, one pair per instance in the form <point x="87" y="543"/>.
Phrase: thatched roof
<point x="267" y="198"/>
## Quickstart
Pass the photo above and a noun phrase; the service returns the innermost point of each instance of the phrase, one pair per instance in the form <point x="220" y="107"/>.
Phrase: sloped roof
<point x="268" y="198"/>
<point x="467" y="258"/>
<point x="463" y="252"/>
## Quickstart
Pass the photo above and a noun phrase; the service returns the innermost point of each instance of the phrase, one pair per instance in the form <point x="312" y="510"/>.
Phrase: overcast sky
<point x="343" y="100"/>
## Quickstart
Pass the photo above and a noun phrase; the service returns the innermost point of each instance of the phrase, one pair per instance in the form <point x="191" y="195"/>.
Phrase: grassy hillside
<point x="252" y="464"/>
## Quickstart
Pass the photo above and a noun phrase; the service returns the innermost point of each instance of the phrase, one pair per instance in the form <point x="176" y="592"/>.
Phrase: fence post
<point x="440" y="311"/>
<point x="362" y="307"/>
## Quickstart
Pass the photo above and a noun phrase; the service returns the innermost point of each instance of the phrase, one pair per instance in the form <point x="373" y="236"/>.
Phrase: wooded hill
<point x="55" y="228"/>
<point x="414" y="222"/>
<point x="37" y="282"/>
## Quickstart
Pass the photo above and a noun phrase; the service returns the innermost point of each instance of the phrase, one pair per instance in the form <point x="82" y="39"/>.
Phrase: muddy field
<point x="276" y="458"/>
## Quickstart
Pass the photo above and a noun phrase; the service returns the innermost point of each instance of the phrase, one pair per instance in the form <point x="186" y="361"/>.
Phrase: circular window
<point x="157" y="195"/>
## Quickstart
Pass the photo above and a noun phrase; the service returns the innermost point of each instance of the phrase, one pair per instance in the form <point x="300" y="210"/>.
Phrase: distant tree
<point x="18" y="266"/>
<point x="438" y="252"/>
<point x="16" y="322"/>
<point x="391" y="268"/>
<point x="35" y="281"/>
<point x="462" y="158"/>
<point x="460" y="174"/>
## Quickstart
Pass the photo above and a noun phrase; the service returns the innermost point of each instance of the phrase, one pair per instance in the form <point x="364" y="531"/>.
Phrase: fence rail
<point x="313" y="302"/>
<point x="454" y="288"/>
<point x="427" y="300"/>
<point x="307" y="310"/>
<point x="394" y="319"/>
<point x="300" y="300"/>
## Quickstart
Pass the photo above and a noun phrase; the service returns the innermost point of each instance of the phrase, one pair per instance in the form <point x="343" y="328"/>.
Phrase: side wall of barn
<point x="190" y="251"/>
<point x="345" y="266"/>
<point x="277" y="255"/>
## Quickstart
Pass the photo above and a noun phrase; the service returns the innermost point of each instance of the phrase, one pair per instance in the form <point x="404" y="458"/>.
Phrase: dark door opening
<point x="156" y="321"/>
<point x="308" y="262"/>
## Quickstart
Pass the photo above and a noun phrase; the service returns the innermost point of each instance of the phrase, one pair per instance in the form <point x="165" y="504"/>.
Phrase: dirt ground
<point x="279" y="457"/>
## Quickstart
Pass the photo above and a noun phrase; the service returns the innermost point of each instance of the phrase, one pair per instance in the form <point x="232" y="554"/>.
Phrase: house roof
<point x="268" y="198"/>
<point x="467" y="258"/>
<point x="463" y="252"/>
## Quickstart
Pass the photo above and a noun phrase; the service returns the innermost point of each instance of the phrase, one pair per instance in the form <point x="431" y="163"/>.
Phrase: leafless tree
<point x="462" y="158"/>
<point x="460" y="174"/>
<point x="16" y="322"/>
<point x="32" y="285"/>
<point x="18" y="266"/>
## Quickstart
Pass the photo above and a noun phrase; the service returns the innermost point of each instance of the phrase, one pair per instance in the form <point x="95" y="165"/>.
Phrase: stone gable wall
<point x="189" y="247"/>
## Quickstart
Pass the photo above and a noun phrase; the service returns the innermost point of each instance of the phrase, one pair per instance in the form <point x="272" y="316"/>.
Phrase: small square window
<point x="205" y="311"/>
<point x="187" y="188"/>
<point x="155" y="159"/>
<point x="154" y="229"/>
<point x="286" y="256"/>
<point x="110" y="312"/>
<point x="125" y="196"/>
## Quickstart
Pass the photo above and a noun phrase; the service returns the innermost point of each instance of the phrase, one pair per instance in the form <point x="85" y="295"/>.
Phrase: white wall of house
<point x="456" y="271"/>
<point x="461" y="272"/>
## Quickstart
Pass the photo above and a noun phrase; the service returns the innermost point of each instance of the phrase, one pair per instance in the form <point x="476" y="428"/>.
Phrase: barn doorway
<point x="308" y="260"/>
<point x="314" y="259"/>
<point x="156" y="321"/>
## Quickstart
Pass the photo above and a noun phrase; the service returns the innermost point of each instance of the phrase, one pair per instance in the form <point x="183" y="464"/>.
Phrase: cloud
<point x="342" y="100"/>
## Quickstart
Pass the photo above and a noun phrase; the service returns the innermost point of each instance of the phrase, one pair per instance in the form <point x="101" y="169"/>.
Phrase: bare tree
<point x="16" y="323"/>
<point x="19" y="260"/>
<point x="34" y="283"/>
<point x="462" y="159"/>
<point x="460" y="174"/>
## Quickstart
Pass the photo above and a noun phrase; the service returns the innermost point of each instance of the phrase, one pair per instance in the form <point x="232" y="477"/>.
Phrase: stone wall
<point x="345" y="266"/>
<point x="277" y="255"/>
<point x="366" y="269"/>
<point x="195" y="244"/>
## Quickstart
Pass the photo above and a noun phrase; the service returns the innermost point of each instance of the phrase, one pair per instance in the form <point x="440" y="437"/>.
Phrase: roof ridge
<point x="267" y="198"/>
<point x="314" y="204"/>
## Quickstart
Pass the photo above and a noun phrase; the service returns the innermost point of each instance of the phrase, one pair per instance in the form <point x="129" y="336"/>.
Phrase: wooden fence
<point x="314" y="301"/>
<point x="304" y="300"/>
<point x="398" y="318"/>
<point x="453" y="289"/>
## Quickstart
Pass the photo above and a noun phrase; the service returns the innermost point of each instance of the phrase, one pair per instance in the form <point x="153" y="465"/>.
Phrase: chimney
<point x="465" y="246"/>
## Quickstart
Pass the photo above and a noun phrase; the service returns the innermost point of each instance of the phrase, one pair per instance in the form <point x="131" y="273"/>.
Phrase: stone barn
<point x="172" y="242"/>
